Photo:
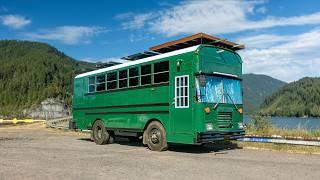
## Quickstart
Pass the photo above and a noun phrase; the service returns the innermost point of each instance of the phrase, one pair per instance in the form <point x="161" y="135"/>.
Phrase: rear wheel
<point x="155" y="136"/>
<point x="99" y="133"/>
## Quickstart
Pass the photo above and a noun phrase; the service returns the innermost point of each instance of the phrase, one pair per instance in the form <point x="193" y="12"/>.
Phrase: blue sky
<point x="282" y="37"/>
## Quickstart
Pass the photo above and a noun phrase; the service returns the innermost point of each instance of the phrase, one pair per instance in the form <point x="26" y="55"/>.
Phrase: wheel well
<point x="95" y="122"/>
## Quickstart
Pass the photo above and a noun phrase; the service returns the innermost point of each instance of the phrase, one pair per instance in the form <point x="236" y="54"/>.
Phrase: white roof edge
<point x="148" y="59"/>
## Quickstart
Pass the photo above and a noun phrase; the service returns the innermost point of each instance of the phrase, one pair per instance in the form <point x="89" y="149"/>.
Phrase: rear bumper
<point x="211" y="136"/>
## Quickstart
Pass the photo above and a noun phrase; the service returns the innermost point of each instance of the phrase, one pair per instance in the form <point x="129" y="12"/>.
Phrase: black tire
<point x="99" y="133"/>
<point x="155" y="136"/>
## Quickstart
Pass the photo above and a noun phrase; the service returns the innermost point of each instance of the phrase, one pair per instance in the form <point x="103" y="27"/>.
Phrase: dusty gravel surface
<point x="34" y="152"/>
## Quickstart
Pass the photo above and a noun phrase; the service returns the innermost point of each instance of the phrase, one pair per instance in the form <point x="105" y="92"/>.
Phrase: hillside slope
<point x="31" y="72"/>
<point x="256" y="88"/>
<point x="300" y="98"/>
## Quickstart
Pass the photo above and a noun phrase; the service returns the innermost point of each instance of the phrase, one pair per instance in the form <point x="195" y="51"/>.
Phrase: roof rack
<point x="196" y="39"/>
<point x="193" y="40"/>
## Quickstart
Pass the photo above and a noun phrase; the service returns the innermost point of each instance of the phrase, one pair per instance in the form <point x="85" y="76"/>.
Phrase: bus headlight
<point x="209" y="126"/>
<point x="240" y="125"/>
<point x="240" y="110"/>
<point x="207" y="110"/>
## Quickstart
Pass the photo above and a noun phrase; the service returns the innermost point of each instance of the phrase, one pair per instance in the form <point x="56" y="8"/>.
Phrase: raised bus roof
<point x="183" y="45"/>
<point x="147" y="59"/>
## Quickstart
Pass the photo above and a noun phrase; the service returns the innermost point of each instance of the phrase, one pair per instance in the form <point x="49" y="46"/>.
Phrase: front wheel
<point x="155" y="136"/>
<point x="99" y="133"/>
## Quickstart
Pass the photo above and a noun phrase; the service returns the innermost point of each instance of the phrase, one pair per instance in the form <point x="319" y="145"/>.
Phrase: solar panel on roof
<point x="106" y="64"/>
<point x="140" y="55"/>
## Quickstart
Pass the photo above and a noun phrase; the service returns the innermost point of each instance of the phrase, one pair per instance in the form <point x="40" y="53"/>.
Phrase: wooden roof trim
<point x="194" y="38"/>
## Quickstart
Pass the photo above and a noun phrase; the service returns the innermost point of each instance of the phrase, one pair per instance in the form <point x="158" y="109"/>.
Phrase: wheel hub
<point x="99" y="134"/>
<point x="155" y="136"/>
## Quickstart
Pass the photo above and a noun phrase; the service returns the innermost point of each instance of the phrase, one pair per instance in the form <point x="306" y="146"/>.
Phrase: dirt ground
<point x="35" y="152"/>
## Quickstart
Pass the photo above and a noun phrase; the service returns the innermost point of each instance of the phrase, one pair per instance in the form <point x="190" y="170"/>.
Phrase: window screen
<point x="101" y="82"/>
<point x="123" y="78"/>
<point x="161" y="72"/>
<point x="182" y="91"/>
<point x="91" y="84"/>
<point x="145" y="74"/>
<point x="133" y="77"/>
<point x="111" y="80"/>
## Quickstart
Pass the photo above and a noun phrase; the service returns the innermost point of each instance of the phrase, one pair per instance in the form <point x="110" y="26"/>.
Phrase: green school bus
<point x="191" y="95"/>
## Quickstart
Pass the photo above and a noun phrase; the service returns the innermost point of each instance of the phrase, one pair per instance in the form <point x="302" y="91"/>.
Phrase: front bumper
<point x="211" y="136"/>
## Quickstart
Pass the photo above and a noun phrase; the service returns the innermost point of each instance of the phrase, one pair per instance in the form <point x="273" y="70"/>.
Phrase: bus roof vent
<point x="196" y="39"/>
<point x="140" y="55"/>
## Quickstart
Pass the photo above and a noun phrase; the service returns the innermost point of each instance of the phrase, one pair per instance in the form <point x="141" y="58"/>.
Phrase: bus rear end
<point x="218" y="108"/>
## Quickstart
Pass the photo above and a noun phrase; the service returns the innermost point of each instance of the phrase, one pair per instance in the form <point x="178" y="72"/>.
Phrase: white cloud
<point x="262" y="10"/>
<point x="295" y="57"/>
<point x="14" y="21"/>
<point x="138" y="21"/>
<point x="264" y="40"/>
<point x="124" y="16"/>
<point x="140" y="37"/>
<point x="68" y="34"/>
<point x="214" y="17"/>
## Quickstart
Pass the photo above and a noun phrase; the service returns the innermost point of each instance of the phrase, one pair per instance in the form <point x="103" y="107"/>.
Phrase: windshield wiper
<point x="228" y="95"/>
<point x="215" y="106"/>
<point x="231" y="100"/>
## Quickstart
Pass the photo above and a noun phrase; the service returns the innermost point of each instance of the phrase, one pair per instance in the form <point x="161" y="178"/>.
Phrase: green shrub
<point x="259" y="124"/>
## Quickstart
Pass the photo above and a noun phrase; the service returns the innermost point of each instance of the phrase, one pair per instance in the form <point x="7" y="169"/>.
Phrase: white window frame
<point x="161" y="72"/>
<point x="94" y="84"/>
<point x="179" y="96"/>
<point x="126" y="78"/>
<point x="133" y="77"/>
<point x="108" y="81"/>
<point x="145" y="75"/>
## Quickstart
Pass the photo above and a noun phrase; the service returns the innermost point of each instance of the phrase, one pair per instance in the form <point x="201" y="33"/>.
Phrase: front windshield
<point x="215" y="89"/>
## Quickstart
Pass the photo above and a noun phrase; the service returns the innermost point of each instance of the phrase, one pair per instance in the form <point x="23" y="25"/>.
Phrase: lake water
<point x="291" y="122"/>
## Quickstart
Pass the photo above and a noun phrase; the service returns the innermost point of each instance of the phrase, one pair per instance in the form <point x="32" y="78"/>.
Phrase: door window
<point x="182" y="91"/>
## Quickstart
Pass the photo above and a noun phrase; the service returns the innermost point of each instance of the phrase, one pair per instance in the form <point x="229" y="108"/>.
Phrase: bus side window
<point x="91" y="84"/>
<point x="146" y="74"/>
<point x="123" y="78"/>
<point x="111" y="80"/>
<point x="133" y="77"/>
<point x="161" y="72"/>
<point x="101" y="82"/>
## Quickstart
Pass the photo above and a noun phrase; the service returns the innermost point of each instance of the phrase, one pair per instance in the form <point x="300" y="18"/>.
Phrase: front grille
<point x="225" y="119"/>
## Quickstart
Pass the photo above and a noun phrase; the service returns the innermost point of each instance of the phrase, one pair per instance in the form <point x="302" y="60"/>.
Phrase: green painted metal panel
<point x="220" y="61"/>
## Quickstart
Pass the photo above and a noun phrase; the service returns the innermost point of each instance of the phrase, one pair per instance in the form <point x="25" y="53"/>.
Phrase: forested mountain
<point x="30" y="72"/>
<point x="256" y="88"/>
<point x="300" y="98"/>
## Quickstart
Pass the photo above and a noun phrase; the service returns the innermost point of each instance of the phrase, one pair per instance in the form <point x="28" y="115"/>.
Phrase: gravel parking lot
<point x="35" y="152"/>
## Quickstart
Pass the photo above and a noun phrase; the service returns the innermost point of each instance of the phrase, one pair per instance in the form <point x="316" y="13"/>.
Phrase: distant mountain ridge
<point x="299" y="98"/>
<point x="256" y="87"/>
